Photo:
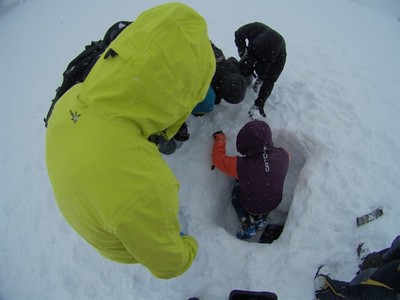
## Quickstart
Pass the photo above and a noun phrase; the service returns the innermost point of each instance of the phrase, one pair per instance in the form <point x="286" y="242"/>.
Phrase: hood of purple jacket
<point x="252" y="138"/>
<point x="262" y="169"/>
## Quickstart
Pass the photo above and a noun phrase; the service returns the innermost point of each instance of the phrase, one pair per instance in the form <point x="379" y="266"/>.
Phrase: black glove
<point x="242" y="52"/>
<point x="216" y="133"/>
<point x="246" y="65"/>
<point x="257" y="108"/>
<point x="182" y="135"/>
<point x="261" y="109"/>
<point x="260" y="104"/>
<point x="154" y="138"/>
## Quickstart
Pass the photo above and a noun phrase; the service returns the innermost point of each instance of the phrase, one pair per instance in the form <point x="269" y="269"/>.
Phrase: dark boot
<point x="248" y="229"/>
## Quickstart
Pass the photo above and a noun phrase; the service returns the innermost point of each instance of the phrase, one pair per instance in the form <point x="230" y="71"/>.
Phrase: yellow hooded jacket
<point x="111" y="184"/>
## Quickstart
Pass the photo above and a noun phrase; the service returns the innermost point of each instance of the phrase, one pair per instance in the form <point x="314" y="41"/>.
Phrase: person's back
<point x="249" y="32"/>
<point x="260" y="173"/>
<point x="110" y="182"/>
<point x="262" y="169"/>
<point x="261" y="42"/>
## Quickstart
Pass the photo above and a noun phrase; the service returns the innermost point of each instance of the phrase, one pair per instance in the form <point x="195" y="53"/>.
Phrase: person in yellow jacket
<point x="110" y="182"/>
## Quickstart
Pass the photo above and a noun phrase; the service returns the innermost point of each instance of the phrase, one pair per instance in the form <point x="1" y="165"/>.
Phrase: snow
<point x="335" y="108"/>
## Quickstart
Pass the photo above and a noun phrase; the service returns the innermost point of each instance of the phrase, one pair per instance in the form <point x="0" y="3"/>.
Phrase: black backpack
<point x="80" y="66"/>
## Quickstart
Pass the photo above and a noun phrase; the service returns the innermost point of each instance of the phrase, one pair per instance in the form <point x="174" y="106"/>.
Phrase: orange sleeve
<point x="226" y="164"/>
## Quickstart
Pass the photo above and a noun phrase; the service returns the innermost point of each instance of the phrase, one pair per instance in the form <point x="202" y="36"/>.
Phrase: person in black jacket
<point x="261" y="50"/>
<point x="378" y="278"/>
<point x="228" y="83"/>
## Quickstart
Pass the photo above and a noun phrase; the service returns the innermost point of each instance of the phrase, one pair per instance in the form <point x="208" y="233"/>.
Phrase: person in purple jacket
<point x="260" y="172"/>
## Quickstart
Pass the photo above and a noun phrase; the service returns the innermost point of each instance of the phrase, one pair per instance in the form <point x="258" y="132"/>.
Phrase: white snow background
<point x="335" y="108"/>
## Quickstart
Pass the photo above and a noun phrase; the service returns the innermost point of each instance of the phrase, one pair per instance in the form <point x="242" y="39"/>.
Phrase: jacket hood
<point x="233" y="88"/>
<point x="252" y="138"/>
<point x="154" y="73"/>
<point x="267" y="45"/>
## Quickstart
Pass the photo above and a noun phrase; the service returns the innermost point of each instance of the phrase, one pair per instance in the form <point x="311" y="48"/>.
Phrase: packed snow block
<point x="250" y="295"/>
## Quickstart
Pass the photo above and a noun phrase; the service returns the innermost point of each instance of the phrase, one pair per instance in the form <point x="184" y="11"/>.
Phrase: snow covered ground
<point x="335" y="108"/>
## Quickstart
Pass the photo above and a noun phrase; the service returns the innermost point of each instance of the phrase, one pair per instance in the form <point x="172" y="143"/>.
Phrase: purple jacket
<point x="262" y="170"/>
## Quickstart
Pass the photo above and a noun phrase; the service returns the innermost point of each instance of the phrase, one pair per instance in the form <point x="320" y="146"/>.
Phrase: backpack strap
<point x="77" y="71"/>
<point x="79" y="68"/>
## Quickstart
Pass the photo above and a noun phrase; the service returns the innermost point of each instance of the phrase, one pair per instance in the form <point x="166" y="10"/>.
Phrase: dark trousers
<point x="381" y="283"/>
<point x="240" y="211"/>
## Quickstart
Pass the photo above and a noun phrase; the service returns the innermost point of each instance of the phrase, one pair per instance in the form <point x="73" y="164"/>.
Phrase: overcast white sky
<point x="388" y="7"/>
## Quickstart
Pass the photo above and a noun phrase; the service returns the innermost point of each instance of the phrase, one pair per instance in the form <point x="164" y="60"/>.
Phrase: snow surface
<point x="335" y="108"/>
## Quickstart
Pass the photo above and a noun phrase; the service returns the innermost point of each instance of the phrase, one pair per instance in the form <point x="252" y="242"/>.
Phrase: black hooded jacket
<point x="226" y="67"/>
<point x="267" y="49"/>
